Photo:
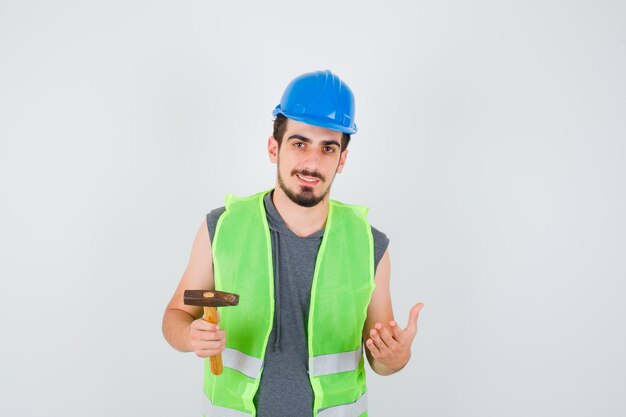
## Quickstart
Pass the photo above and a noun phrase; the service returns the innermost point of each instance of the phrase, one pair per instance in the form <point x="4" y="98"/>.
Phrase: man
<point x="312" y="275"/>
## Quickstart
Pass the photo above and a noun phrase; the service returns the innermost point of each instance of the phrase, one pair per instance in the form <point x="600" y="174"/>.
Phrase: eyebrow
<point x="307" y="140"/>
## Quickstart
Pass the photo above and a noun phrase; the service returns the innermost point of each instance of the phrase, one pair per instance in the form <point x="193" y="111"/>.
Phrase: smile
<point x="307" y="180"/>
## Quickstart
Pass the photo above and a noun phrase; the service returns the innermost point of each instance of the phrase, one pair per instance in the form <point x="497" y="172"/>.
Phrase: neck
<point x="303" y="221"/>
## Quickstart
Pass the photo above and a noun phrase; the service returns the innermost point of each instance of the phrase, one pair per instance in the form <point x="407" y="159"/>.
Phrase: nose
<point x="312" y="161"/>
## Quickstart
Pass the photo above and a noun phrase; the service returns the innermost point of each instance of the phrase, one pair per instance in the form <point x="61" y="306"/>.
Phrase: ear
<point x="272" y="149"/>
<point x="342" y="161"/>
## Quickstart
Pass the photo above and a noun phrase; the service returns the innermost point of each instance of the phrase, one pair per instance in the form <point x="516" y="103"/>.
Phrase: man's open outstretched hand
<point x="390" y="345"/>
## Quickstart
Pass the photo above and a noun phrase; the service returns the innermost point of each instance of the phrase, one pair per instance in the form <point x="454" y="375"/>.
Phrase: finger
<point x="386" y="336"/>
<point x="411" y="327"/>
<point x="204" y="334"/>
<point x="396" y="331"/>
<point x="219" y="335"/>
<point x="372" y="347"/>
<point x="204" y="325"/>
<point x="203" y="353"/>
<point x="213" y="345"/>
<point x="378" y="341"/>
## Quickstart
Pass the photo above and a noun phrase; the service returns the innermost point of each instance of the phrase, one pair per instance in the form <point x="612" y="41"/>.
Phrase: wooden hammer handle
<point x="210" y="315"/>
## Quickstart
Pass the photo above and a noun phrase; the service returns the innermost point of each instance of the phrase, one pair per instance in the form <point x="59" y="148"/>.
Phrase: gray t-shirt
<point x="285" y="390"/>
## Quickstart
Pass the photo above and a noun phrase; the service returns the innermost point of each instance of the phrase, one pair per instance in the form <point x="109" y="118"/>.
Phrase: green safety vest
<point x="340" y="293"/>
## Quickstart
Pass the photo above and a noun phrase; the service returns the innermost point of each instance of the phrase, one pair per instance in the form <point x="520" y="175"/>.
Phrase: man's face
<point x="308" y="159"/>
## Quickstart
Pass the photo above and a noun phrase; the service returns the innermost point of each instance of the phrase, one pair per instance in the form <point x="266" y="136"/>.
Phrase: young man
<point x="312" y="275"/>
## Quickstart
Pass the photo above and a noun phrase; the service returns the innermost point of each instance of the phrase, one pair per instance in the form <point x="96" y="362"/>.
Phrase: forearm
<point x="176" y="327"/>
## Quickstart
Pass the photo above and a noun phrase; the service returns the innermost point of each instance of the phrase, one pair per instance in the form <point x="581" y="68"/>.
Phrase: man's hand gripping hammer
<point x="210" y="300"/>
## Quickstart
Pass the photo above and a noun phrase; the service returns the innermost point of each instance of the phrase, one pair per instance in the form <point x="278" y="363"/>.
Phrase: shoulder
<point x="212" y="218"/>
<point x="215" y="213"/>
<point x="234" y="203"/>
<point x="381" y="243"/>
<point x="378" y="235"/>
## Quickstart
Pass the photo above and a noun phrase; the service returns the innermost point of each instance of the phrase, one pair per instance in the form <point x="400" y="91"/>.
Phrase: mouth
<point x="307" y="181"/>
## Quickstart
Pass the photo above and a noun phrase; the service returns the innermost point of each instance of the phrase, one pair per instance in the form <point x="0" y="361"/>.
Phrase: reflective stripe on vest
<point x="333" y="363"/>
<point x="239" y="361"/>
<point x="347" y="410"/>
<point x="210" y="410"/>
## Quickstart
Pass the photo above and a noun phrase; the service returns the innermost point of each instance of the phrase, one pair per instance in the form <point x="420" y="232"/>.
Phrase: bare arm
<point x="181" y="327"/>
<point x="388" y="346"/>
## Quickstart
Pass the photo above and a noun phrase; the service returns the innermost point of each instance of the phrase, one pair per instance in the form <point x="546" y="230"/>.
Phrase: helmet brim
<point x="318" y="121"/>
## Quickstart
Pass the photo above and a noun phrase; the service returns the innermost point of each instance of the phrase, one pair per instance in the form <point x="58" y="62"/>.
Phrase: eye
<point x="328" y="149"/>
<point x="299" y="145"/>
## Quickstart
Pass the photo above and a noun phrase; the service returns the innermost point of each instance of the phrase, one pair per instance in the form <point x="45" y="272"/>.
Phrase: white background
<point x="491" y="150"/>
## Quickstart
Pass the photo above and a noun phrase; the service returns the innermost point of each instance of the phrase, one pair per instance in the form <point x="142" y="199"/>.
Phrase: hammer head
<point x="210" y="298"/>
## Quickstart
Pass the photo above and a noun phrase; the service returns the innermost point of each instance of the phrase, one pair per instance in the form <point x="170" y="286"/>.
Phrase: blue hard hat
<point x="319" y="98"/>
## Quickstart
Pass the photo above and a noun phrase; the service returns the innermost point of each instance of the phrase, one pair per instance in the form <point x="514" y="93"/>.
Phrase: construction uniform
<point x="268" y="370"/>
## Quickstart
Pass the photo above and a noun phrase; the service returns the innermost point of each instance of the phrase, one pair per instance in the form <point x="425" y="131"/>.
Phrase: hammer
<point x="210" y="300"/>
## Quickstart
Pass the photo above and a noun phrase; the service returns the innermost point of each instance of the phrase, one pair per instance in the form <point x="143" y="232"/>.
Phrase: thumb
<point x="413" y="316"/>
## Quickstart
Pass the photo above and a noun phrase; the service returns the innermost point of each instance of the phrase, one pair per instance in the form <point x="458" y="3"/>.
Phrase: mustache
<point x="307" y="173"/>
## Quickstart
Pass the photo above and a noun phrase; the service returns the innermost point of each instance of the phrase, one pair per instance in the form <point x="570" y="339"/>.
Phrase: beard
<point x="306" y="197"/>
